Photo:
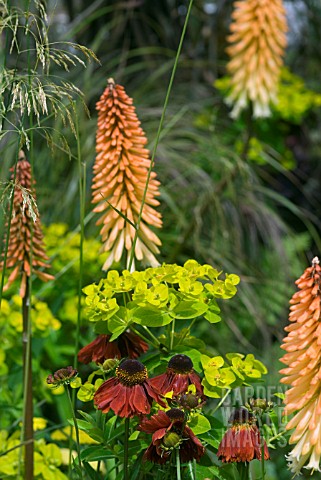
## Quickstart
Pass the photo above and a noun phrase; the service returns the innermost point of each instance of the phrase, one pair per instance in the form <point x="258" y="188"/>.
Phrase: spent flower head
<point x="63" y="376"/>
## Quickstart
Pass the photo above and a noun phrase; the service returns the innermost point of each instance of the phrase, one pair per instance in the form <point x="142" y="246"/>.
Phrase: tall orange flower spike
<point x="120" y="175"/>
<point x="258" y="40"/>
<point x="25" y="246"/>
<point x="303" y="358"/>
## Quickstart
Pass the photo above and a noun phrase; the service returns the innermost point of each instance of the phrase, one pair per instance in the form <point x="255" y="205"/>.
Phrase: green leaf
<point x="212" y="317"/>
<point x="94" y="432"/>
<point x="189" y="309"/>
<point x="211" y="440"/>
<point x="151" y="317"/>
<point x="101" y="328"/>
<point x="280" y="395"/>
<point x="96" y="453"/>
<point x="93" y="475"/>
<point x="88" y="417"/>
<point x="199" y="424"/>
<point x="134" y="435"/>
<point x="119" y="322"/>
<point x="110" y="428"/>
<point x="210" y="472"/>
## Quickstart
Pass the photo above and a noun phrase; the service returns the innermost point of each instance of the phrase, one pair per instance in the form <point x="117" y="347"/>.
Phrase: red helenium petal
<point x="139" y="401"/>
<point x="157" y="421"/>
<point x="159" y="434"/>
<point x="120" y="404"/>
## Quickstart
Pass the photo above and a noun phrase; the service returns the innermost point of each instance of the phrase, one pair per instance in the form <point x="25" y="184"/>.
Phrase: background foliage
<point x="243" y="196"/>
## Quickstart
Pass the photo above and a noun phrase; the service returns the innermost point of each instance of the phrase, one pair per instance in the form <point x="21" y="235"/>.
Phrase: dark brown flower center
<point x="176" y="415"/>
<point x="189" y="401"/>
<point x="241" y="416"/>
<point x="131" y="372"/>
<point x="181" y="364"/>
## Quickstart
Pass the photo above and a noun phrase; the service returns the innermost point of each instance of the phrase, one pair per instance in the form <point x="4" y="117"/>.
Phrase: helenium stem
<point x="76" y="427"/>
<point x="187" y="331"/>
<point x="178" y="465"/>
<point x="126" y="439"/>
<point x="243" y="469"/>
<point x="262" y="458"/>
<point x="191" y="470"/>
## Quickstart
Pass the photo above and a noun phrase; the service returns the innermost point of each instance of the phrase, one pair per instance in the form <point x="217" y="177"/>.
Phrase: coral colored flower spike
<point x="120" y="176"/>
<point x="26" y="251"/>
<point x="303" y="360"/>
<point x="258" y="41"/>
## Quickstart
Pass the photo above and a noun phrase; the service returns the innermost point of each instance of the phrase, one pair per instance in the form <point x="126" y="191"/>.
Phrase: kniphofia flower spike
<point x="120" y="177"/>
<point x="303" y="360"/>
<point x="26" y="250"/>
<point x="258" y="41"/>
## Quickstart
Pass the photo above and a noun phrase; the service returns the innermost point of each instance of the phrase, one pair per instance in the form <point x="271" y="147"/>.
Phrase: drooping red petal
<point x="241" y="443"/>
<point x="191" y="449"/>
<point x="152" y="455"/>
<point x="195" y="380"/>
<point x="179" y="384"/>
<point x="153" y="393"/>
<point x="106" y="393"/>
<point x="157" y="421"/>
<point x="139" y="401"/>
<point x="160" y="383"/>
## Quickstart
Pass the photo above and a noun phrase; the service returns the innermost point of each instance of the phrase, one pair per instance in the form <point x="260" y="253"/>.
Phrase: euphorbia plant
<point x="166" y="391"/>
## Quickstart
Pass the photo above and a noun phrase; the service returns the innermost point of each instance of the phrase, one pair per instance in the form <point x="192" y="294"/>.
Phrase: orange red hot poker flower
<point x="258" y="41"/>
<point x="303" y="372"/>
<point x="120" y="176"/>
<point x="26" y="251"/>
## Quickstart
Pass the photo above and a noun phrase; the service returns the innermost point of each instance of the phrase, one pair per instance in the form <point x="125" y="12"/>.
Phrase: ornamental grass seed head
<point x="303" y="372"/>
<point x="120" y="177"/>
<point x="257" y="43"/>
<point x="26" y="250"/>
